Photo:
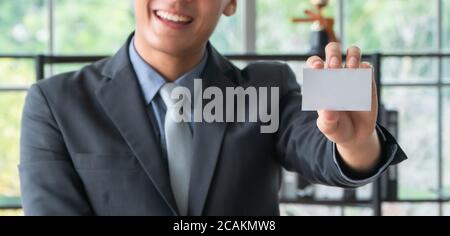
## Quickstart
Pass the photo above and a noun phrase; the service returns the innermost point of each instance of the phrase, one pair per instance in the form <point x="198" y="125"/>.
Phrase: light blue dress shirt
<point x="151" y="82"/>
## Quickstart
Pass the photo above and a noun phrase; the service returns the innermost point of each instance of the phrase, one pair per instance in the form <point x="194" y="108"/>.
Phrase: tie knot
<point x="177" y="102"/>
<point x="166" y="94"/>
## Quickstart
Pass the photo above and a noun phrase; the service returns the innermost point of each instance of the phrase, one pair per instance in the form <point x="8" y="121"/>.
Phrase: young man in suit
<point x="98" y="141"/>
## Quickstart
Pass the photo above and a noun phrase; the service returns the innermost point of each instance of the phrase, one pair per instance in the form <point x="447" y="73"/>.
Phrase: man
<point x="98" y="141"/>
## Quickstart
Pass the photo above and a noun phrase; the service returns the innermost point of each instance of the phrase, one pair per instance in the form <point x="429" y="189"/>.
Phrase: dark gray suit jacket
<point x="89" y="147"/>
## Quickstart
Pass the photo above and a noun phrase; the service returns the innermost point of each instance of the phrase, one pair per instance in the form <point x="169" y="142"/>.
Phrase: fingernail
<point x="317" y="64"/>
<point x="353" y="62"/>
<point x="334" y="62"/>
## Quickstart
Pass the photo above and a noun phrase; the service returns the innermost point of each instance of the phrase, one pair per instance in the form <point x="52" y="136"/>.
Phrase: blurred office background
<point x="414" y="36"/>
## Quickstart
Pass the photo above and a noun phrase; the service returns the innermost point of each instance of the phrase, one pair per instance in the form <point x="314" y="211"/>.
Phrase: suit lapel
<point x="121" y="98"/>
<point x="208" y="137"/>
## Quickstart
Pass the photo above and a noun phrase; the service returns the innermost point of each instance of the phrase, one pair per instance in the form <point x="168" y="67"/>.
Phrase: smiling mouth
<point x="173" y="17"/>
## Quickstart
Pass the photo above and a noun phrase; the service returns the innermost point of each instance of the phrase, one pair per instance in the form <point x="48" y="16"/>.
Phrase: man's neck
<point x="171" y="67"/>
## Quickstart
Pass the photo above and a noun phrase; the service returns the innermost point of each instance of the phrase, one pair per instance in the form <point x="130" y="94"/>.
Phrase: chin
<point x="174" y="47"/>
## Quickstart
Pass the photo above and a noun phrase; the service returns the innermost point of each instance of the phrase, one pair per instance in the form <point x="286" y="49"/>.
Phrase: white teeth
<point x="173" y="17"/>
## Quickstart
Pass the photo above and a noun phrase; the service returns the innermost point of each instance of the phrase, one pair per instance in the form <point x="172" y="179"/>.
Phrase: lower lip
<point x="172" y="24"/>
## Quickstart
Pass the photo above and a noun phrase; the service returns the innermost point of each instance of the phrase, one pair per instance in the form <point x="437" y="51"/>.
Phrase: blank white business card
<point x="337" y="89"/>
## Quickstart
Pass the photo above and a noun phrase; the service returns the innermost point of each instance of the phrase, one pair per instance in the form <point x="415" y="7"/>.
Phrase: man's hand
<point x="353" y="132"/>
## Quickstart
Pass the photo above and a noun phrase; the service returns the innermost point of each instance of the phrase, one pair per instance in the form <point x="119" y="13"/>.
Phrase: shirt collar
<point x="151" y="81"/>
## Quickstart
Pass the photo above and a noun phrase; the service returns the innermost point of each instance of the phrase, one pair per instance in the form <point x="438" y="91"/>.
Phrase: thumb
<point x="328" y="122"/>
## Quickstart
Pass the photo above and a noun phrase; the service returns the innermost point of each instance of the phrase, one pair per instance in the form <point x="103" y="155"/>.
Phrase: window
<point x="391" y="26"/>
<point x="446" y="25"/>
<point x="305" y="210"/>
<point x="286" y="37"/>
<point x="228" y="36"/>
<point x="78" y="31"/>
<point x="11" y="104"/>
<point x="24" y="26"/>
<point x="411" y="209"/>
<point x="446" y="147"/>
<point x="418" y="110"/>
<point x="410" y="70"/>
<point x="25" y="31"/>
<point x="16" y="72"/>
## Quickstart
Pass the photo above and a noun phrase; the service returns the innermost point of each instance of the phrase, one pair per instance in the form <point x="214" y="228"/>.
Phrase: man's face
<point x="178" y="27"/>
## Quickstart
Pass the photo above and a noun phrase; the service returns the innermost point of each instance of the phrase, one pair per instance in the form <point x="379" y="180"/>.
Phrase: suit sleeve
<point x="49" y="182"/>
<point x="304" y="149"/>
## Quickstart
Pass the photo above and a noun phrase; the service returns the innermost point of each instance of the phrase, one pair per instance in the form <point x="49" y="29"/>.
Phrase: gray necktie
<point x="179" y="150"/>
